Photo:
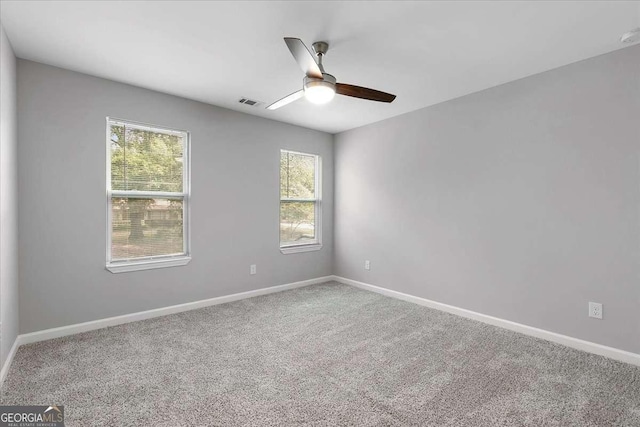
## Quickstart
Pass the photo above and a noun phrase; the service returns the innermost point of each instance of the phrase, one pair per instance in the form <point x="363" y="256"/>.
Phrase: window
<point x="147" y="197"/>
<point x="300" y="210"/>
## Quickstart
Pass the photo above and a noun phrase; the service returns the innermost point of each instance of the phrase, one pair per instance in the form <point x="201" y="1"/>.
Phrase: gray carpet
<point x="321" y="355"/>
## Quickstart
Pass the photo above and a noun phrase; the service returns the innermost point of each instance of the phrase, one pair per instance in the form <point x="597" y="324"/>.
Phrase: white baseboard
<point x="7" y="363"/>
<point x="62" y="331"/>
<point x="590" y="347"/>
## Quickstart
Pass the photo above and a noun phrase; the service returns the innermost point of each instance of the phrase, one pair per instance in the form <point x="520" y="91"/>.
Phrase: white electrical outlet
<point x="595" y="310"/>
<point x="252" y="269"/>
<point x="367" y="265"/>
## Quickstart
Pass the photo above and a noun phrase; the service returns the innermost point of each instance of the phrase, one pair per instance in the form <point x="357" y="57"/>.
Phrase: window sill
<point x="300" y="248"/>
<point x="126" y="267"/>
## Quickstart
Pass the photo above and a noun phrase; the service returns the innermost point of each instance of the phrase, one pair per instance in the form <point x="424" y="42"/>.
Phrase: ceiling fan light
<point x="319" y="92"/>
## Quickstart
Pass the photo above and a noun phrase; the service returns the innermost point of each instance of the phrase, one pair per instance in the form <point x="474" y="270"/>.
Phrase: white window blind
<point x="147" y="196"/>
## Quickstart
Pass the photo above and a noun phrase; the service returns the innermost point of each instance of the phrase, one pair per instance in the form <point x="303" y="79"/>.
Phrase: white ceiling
<point x="217" y="52"/>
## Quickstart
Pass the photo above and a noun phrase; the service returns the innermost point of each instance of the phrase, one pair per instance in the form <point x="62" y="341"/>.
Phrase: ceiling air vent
<point x="249" y="102"/>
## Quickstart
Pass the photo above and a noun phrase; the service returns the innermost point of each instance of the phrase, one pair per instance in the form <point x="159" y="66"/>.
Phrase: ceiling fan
<point x="318" y="86"/>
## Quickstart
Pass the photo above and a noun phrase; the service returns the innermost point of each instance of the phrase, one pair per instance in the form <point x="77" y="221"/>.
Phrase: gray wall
<point x="8" y="199"/>
<point x="234" y="210"/>
<point x="520" y="202"/>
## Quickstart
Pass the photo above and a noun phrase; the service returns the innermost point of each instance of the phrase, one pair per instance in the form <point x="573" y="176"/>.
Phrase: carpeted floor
<point x="321" y="355"/>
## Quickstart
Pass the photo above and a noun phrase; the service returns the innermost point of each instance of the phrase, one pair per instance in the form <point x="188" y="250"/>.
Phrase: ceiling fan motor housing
<point x="328" y="81"/>
<point x="326" y="78"/>
<point x="319" y="91"/>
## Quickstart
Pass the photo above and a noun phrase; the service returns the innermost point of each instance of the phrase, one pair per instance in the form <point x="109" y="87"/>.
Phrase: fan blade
<point x="303" y="57"/>
<point x="364" y="93"/>
<point x="286" y="100"/>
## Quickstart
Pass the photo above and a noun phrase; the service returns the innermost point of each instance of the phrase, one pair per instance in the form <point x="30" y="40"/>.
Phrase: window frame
<point x="157" y="261"/>
<point x="316" y="244"/>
